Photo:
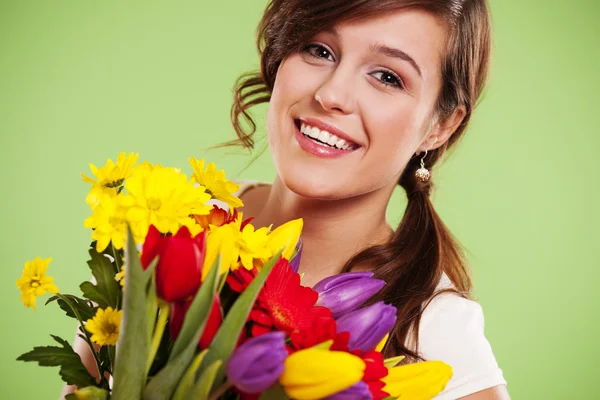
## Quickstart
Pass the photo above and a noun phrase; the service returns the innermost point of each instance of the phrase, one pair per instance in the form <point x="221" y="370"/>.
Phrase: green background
<point x="81" y="81"/>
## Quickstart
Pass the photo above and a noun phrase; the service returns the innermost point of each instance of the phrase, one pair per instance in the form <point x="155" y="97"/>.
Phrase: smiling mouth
<point x="324" y="138"/>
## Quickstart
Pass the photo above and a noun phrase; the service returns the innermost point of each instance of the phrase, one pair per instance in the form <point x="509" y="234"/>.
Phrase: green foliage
<point x="85" y="308"/>
<point x="163" y="385"/>
<point x="228" y="334"/>
<point x="72" y="370"/>
<point x="274" y="393"/>
<point x="107" y="291"/>
<point x="205" y="382"/>
<point x="133" y="344"/>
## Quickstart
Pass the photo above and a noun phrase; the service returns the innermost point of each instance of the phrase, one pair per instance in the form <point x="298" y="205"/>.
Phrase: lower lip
<point x="317" y="149"/>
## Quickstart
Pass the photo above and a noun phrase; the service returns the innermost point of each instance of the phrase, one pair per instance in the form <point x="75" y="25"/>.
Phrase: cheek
<point x="394" y="135"/>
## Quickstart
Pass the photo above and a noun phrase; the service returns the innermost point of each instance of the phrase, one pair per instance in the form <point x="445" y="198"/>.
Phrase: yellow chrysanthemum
<point x="253" y="245"/>
<point x="418" y="381"/>
<point x="105" y="326"/>
<point x="109" y="178"/>
<point x="215" y="182"/>
<point x="109" y="223"/>
<point x="316" y="373"/>
<point x="162" y="197"/>
<point x="120" y="276"/>
<point x="223" y="240"/>
<point x="34" y="282"/>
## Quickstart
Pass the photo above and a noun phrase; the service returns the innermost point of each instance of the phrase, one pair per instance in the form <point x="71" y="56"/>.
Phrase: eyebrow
<point x="396" y="53"/>
<point x="387" y="51"/>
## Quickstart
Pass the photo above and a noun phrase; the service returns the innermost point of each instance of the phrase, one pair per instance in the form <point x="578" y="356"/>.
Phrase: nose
<point x="335" y="94"/>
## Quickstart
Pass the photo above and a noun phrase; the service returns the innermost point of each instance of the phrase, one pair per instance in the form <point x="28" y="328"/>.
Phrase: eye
<point x="388" y="78"/>
<point x="318" y="51"/>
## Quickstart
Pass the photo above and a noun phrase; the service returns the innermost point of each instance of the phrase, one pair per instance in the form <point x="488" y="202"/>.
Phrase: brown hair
<point x="422" y="248"/>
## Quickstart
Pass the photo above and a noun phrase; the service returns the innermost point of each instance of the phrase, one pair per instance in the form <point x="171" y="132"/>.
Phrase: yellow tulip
<point x="221" y="240"/>
<point x="286" y="237"/>
<point x="417" y="381"/>
<point x="316" y="373"/>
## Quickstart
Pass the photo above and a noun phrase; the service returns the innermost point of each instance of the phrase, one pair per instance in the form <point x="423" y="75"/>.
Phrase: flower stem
<point x="163" y="314"/>
<point x="85" y="332"/>
<point x="220" y="391"/>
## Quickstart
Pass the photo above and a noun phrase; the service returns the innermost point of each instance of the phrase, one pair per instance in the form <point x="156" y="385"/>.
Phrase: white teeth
<point x="332" y="140"/>
<point x="324" y="136"/>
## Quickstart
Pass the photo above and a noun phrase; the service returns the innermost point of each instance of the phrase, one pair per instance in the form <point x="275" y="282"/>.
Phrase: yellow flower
<point x="223" y="240"/>
<point x="164" y="198"/>
<point x="109" y="223"/>
<point x="105" y="326"/>
<point x="285" y="237"/>
<point x="215" y="182"/>
<point x="418" y="381"/>
<point x="34" y="282"/>
<point x="253" y="245"/>
<point x="110" y="177"/>
<point x="120" y="276"/>
<point x="316" y="373"/>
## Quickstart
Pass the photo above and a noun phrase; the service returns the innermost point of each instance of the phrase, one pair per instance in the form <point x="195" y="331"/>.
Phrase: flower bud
<point x="180" y="260"/>
<point x="346" y="292"/>
<point x="257" y="364"/>
<point x="360" y="391"/>
<point x="367" y="326"/>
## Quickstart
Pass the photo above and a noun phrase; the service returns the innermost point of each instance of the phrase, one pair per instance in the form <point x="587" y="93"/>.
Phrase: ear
<point x="443" y="130"/>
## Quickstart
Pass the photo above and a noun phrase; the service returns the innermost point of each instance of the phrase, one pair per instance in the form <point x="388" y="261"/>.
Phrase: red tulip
<point x="180" y="260"/>
<point x="215" y="318"/>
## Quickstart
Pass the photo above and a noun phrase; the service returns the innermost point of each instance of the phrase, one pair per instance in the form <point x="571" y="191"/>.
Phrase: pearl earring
<point x="423" y="173"/>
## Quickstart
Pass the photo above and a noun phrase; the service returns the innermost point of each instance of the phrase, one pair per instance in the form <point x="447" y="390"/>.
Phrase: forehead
<point x="418" y="33"/>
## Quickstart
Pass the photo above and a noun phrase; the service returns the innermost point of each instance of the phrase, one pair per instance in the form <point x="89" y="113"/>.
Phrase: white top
<point x="452" y="331"/>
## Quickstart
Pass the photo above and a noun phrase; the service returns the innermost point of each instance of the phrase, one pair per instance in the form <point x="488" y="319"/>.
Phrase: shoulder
<point x="452" y="330"/>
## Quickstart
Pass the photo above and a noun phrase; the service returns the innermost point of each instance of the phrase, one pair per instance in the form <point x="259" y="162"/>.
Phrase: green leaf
<point x="71" y="396"/>
<point x="107" y="291"/>
<point x="202" y="389"/>
<point x="198" y="312"/>
<point x="133" y="343"/>
<point x="72" y="370"/>
<point x="186" y="383"/>
<point x="91" y="393"/>
<point x="164" y="383"/>
<point x="85" y="307"/>
<point x="274" y="393"/>
<point x="228" y="334"/>
<point x="392" y="362"/>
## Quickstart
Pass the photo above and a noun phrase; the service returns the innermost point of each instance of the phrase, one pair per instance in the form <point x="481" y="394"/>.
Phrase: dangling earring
<point x="423" y="173"/>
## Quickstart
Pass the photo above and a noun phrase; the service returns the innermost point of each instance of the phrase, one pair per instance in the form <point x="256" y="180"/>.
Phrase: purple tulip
<point x="367" y="326"/>
<point x="257" y="364"/>
<point x="360" y="391"/>
<point x="295" y="262"/>
<point x="346" y="292"/>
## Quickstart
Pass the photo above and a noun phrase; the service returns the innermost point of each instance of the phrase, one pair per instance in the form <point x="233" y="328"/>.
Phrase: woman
<point x="363" y="93"/>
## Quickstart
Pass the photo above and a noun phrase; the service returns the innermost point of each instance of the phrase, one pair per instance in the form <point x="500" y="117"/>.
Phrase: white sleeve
<point x="452" y="330"/>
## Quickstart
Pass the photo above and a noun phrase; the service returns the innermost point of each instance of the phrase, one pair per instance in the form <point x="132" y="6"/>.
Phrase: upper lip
<point x="329" y="128"/>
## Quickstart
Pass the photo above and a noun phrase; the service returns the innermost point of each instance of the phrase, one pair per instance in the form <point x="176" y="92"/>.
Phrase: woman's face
<point x="349" y="110"/>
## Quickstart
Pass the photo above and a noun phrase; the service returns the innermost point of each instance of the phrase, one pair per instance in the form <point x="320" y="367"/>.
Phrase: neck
<point x="334" y="230"/>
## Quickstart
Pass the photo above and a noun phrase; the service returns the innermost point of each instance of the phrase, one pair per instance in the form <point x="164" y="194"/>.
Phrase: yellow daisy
<point x="34" y="282"/>
<point x="105" y="326"/>
<point x="253" y="245"/>
<point x="120" y="276"/>
<point x="215" y="182"/>
<point x="108" y="222"/>
<point x="163" y="197"/>
<point x="110" y="177"/>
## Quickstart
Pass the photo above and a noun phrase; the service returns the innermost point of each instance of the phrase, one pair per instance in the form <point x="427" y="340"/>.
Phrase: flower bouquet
<point x="191" y="301"/>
